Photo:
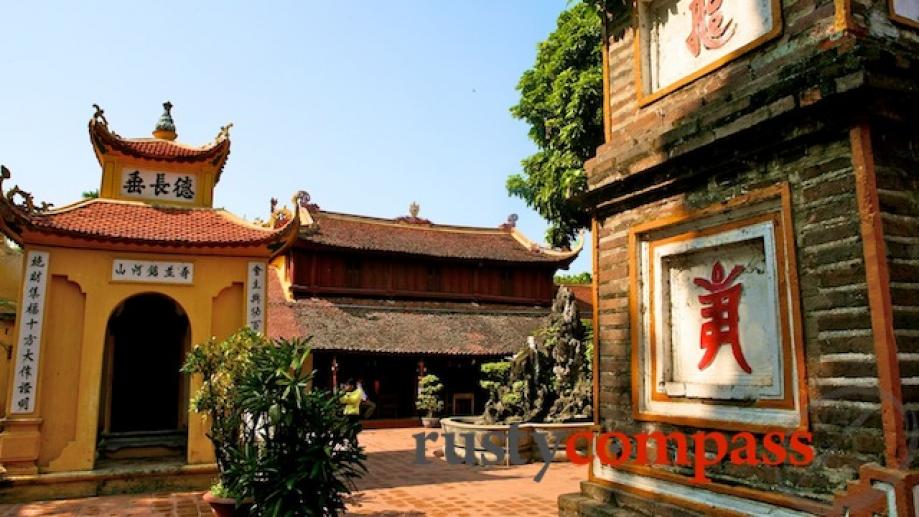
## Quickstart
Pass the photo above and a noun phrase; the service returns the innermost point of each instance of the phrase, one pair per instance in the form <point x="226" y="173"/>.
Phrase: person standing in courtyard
<point x="351" y="401"/>
<point x="367" y="406"/>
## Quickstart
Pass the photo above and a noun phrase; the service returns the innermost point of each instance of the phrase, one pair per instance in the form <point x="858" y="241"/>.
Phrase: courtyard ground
<point x="394" y="486"/>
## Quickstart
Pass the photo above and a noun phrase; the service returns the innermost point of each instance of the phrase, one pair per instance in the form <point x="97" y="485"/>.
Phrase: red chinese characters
<point x="708" y="26"/>
<point x="721" y="309"/>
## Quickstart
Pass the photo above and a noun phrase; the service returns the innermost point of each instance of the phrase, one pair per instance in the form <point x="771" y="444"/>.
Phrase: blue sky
<point x="368" y="106"/>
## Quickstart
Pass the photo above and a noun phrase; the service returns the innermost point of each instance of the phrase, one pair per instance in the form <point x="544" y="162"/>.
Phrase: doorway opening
<point x="145" y="397"/>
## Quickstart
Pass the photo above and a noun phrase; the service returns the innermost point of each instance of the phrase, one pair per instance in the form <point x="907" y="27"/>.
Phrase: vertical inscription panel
<point x="28" y="344"/>
<point x="684" y="39"/>
<point x="255" y="296"/>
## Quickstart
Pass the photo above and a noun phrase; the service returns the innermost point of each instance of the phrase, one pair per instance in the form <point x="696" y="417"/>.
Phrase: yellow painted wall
<point x="10" y="273"/>
<point x="80" y="300"/>
<point x="65" y="307"/>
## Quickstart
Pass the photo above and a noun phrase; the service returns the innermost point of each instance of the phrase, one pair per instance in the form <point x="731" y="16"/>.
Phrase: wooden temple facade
<point x="388" y="300"/>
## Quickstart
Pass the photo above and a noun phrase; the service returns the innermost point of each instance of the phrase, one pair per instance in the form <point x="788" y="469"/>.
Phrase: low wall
<point x="556" y="435"/>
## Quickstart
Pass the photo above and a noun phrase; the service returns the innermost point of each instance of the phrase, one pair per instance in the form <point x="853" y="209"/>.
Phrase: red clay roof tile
<point x="156" y="149"/>
<point x="365" y="233"/>
<point x="141" y="223"/>
<point x="401" y="327"/>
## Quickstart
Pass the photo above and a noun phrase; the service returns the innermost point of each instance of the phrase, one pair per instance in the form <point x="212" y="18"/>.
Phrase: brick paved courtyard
<point x="394" y="486"/>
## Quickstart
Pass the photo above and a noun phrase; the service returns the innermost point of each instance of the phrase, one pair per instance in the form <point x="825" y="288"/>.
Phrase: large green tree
<point x="561" y="98"/>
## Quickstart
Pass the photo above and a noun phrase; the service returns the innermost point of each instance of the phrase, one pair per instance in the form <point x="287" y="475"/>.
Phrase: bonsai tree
<point x="429" y="398"/>
<point x="287" y="448"/>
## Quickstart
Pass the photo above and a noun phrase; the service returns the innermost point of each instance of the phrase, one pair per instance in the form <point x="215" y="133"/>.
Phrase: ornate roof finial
<point x="414" y="209"/>
<point x="511" y="222"/>
<point x="224" y="132"/>
<point x="303" y="198"/>
<point x="99" y="115"/>
<point x="165" y="127"/>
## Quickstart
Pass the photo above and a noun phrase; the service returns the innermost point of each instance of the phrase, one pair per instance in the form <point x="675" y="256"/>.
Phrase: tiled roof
<point x="106" y="219"/>
<point x="390" y="235"/>
<point x="401" y="327"/>
<point x="157" y="149"/>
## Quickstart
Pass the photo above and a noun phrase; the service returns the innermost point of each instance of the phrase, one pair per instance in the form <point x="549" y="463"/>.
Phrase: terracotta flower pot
<point x="226" y="506"/>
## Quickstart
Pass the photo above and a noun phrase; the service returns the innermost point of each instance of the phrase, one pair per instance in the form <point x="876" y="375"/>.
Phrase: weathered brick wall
<point x="843" y="397"/>
<point x="777" y="77"/>
<point x="809" y="62"/>
<point x="782" y="112"/>
<point x="896" y="152"/>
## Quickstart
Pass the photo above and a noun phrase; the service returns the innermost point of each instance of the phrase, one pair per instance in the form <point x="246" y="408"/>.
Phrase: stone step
<point x="630" y="504"/>
<point x="577" y="505"/>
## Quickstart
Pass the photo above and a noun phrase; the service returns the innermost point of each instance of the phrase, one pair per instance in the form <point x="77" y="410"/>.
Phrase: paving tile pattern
<point x="394" y="486"/>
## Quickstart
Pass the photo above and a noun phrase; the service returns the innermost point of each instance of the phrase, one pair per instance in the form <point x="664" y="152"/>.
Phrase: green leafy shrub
<point x="429" y="398"/>
<point x="220" y="364"/>
<point x="286" y="447"/>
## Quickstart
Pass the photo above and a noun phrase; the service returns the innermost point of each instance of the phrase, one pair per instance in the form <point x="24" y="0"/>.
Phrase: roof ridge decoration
<point x="396" y="223"/>
<point x="511" y="222"/>
<point x="158" y="149"/>
<point x="165" y="128"/>
<point x="27" y="205"/>
<point x="413" y="210"/>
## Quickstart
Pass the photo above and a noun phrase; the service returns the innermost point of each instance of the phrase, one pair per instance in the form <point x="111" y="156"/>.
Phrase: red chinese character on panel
<point x="721" y="308"/>
<point x="708" y="27"/>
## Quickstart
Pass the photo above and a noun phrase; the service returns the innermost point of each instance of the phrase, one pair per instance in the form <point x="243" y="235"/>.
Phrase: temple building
<point x="114" y="290"/>
<point x="755" y="212"/>
<point x="388" y="300"/>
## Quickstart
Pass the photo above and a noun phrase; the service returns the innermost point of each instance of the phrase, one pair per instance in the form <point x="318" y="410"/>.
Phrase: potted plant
<point x="291" y="450"/>
<point x="429" y="400"/>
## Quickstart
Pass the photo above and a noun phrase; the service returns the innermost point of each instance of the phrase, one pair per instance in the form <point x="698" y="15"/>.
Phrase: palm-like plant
<point x="293" y="451"/>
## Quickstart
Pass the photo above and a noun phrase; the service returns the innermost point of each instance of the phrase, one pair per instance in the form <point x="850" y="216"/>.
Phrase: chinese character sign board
<point x="153" y="271"/>
<point x="724" y="335"/>
<point x="255" y="296"/>
<point x="714" y="322"/>
<point x="28" y="346"/>
<point x="158" y="185"/>
<point x="680" y="38"/>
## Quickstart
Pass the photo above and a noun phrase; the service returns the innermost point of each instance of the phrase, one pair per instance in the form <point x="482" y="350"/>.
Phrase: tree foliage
<point x="561" y="98"/>
<point x="579" y="278"/>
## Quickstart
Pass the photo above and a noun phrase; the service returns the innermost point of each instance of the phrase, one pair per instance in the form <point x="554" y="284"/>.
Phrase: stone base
<point x="124" y="478"/>
<point x="596" y="500"/>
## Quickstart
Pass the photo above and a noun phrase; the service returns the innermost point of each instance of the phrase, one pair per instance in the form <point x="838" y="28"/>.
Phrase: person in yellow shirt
<point x="351" y="400"/>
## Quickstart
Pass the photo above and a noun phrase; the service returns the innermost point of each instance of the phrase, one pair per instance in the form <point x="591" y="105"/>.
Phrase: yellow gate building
<point x="114" y="290"/>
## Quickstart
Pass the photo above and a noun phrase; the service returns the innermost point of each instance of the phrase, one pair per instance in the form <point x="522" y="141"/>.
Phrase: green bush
<point x="286" y="447"/>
